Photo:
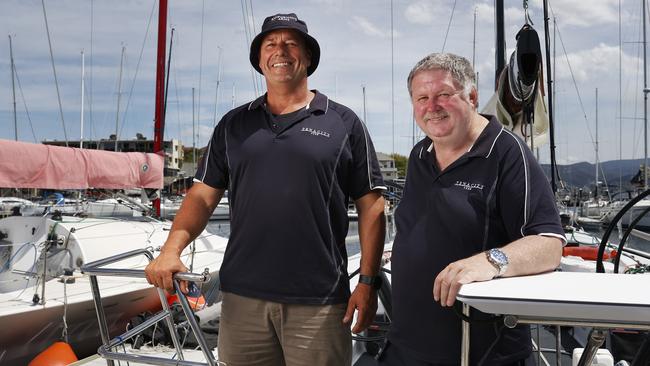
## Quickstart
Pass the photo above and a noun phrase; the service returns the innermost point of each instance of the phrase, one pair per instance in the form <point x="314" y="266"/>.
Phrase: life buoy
<point x="589" y="253"/>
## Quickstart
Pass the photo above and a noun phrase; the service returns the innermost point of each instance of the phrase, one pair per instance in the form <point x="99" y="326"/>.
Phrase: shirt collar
<point x="482" y="146"/>
<point x="319" y="103"/>
<point x="487" y="139"/>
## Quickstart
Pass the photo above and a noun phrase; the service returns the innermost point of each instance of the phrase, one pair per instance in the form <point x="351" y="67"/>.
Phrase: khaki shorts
<point x="256" y="332"/>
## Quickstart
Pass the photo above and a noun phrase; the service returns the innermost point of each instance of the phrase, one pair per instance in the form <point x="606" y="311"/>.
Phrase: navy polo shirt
<point x="289" y="188"/>
<point x="494" y="194"/>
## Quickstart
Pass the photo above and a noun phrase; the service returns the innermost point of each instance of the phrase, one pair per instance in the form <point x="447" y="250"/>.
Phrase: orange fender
<point x="58" y="354"/>
<point x="588" y="252"/>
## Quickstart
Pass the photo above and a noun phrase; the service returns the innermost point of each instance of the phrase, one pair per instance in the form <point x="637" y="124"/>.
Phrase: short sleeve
<point x="213" y="169"/>
<point x="526" y="201"/>
<point x="366" y="175"/>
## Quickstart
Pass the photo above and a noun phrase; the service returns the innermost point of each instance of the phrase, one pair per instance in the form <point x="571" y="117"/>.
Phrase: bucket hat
<point x="285" y="21"/>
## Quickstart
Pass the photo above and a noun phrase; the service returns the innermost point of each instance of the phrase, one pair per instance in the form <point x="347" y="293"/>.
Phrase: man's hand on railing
<point x="160" y="271"/>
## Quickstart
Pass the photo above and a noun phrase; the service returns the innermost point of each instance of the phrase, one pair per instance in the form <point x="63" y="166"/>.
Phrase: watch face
<point x="498" y="256"/>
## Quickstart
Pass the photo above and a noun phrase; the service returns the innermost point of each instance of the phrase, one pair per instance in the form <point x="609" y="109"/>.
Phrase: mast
<point x="160" y="88"/>
<point x="620" y="100"/>
<point x="81" y="117"/>
<point x="500" y="53"/>
<point x="363" y="90"/>
<point x="550" y="96"/>
<point x="13" y="87"/>
<point x="193" y="134"/>
<point x="216" y="97"/>
<point x="597" y="159"/>
<point x="119" y="94"/>
<point x="233" y="96"/>
<point x="645" y="105"/>
<point x="392" y="74"/>
<point x="474" y="42"/>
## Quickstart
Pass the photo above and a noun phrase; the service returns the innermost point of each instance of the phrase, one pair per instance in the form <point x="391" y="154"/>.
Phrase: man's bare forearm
<point x="372" y="231"/>
<point x="192" y="217"/>
<point x="533" y="254"/>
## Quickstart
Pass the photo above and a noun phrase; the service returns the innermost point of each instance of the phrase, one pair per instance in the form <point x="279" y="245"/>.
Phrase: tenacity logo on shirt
<point x="469" y="186"/>
<point x="315" y="132"/>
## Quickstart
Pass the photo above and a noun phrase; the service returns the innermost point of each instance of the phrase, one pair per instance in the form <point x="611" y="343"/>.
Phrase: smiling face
<point x="440" y="106"/>
<point x="284" y="57"/>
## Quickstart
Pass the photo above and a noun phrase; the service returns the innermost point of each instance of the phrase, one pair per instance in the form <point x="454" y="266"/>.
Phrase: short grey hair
<point x="460" y="68"/>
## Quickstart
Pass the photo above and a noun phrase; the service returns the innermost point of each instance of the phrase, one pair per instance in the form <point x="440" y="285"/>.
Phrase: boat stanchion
<point x="464" y="352"/>
<point x="596" y="339"/>
<point x="105" y="350"/>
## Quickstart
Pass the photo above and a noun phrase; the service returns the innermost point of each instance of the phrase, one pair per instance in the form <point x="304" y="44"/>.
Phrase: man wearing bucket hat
<point x="291" y="160"/>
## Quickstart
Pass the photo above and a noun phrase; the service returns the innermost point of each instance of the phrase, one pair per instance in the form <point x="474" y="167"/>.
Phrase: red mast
<point x="159" y="118"/>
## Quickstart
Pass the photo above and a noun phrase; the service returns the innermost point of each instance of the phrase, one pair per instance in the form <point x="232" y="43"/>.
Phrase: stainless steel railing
<point x="95" y="269"/>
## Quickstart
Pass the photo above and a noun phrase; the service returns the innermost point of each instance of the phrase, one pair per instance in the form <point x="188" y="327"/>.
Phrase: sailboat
<point x="44" y="297"/>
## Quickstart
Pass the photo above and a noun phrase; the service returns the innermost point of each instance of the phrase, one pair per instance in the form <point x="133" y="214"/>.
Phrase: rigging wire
<point x="29" y="118"/>
<point x="56" y="81"/>
<point x="179" y="106"/>
<point x="636" y="87"/>
<point x="137" y="69"/>
<point x="258" y="77"/>
<point x="575" y="83"/>
<point x="451" y="17"/>
<point x="167" y="77"/>
<point x="249" y="37"/>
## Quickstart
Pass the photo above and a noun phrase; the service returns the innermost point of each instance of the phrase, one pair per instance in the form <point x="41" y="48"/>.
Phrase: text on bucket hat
<point x="285" y="21"/>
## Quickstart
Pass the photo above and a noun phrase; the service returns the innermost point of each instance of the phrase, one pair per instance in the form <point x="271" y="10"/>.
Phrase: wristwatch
<point x="498" y="259"/>
<point x="373" y="281"/>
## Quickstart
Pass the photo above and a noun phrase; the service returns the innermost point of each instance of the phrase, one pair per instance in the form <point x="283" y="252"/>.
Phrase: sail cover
<point x="27" y="165"/>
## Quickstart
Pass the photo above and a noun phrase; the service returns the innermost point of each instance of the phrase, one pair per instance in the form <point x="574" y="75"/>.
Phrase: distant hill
<point x="583" y="174"/>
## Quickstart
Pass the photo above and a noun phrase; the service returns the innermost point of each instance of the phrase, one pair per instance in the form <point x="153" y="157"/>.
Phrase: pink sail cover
<point x="27" y="165"/>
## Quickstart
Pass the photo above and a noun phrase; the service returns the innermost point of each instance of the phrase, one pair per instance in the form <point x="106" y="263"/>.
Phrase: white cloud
<point x="367" y="27"/>
<point x="421" y="12"/>
<point x="585" y="64"/>
<point x="428" y="11"/>
<point x="583" y="13"/>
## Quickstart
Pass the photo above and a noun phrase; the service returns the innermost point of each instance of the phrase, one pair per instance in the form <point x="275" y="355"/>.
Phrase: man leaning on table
<point x="476" y="206"/>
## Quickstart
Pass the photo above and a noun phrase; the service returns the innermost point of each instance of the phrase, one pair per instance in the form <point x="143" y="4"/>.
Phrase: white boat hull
<point x="29" y="328"/>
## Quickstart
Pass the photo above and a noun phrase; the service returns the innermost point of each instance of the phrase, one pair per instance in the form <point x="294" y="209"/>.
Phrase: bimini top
<point x="27" y="165"/>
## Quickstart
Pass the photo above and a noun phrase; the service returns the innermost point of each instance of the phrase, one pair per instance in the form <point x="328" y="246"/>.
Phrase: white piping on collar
<point x="494" y="143"/>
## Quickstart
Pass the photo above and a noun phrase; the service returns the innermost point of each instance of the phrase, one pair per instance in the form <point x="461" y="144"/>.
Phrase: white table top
<point x="599" y="297"/>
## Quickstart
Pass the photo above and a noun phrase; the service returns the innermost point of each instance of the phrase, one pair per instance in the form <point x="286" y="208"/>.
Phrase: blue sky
<point x="355" y="39"/>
